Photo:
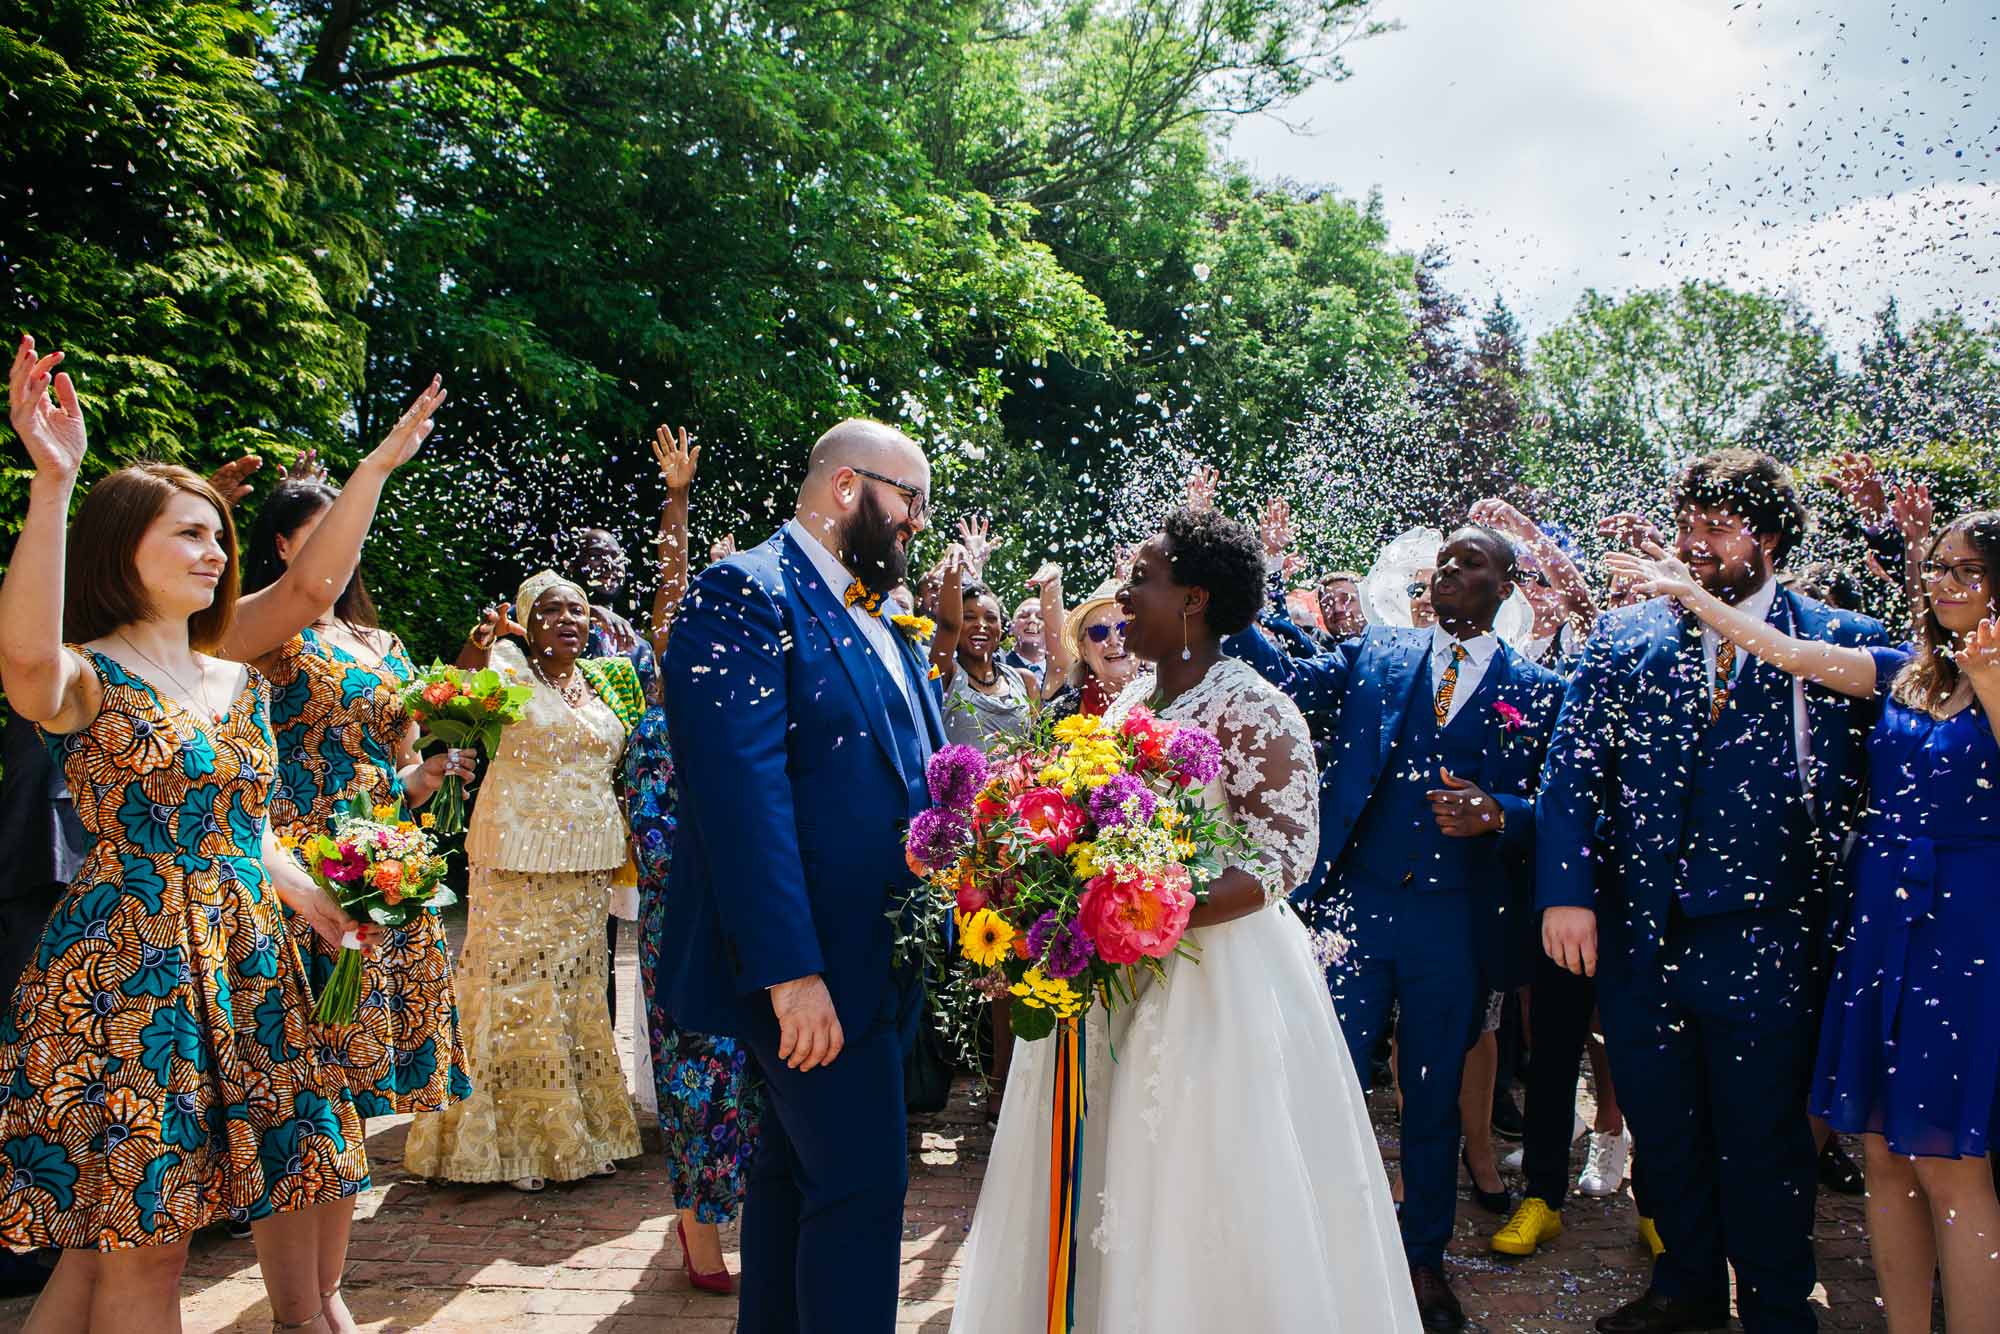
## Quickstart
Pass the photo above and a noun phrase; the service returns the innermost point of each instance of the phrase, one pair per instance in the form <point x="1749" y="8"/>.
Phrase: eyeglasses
<point x="920" y="504"/>
<point x="1099" y="633"/>
<point x="1969" y="575"/>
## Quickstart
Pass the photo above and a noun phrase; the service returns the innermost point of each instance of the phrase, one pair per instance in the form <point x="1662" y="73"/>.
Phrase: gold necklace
<point x="572" y="691"/>
<point x="199" y="696"/>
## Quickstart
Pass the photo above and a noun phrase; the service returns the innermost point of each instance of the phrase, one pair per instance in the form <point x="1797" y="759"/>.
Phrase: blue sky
<point x="1838" y="152"/>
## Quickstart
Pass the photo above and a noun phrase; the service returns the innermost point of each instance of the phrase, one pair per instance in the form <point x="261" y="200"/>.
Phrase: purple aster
<point x="1194" y="756"/>
<point x="956" y="774"/>
<point x="938" y="835"/>
<point x="1124" y="799"/>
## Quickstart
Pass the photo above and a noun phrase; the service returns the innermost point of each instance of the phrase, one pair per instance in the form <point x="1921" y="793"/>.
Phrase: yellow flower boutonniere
<point x="921" y="629"/>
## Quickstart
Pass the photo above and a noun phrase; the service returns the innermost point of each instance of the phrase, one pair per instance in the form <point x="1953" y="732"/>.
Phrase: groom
<point x="801" y="721"/>
<point x="1434" y="741"/>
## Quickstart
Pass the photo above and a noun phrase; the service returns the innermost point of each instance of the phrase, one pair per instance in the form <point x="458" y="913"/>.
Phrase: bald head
<point x="865" y="496"/>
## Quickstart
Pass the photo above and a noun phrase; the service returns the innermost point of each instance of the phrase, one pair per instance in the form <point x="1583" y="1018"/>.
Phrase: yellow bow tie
<point x="870" y="602"/>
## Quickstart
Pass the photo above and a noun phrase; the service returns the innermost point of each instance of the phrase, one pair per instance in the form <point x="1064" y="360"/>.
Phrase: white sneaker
<point x="1604" y="1170"/>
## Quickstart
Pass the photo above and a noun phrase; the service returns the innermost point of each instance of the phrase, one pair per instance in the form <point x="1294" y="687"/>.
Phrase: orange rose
<point x="387" y="876"/>
<point x="438" y="693"/>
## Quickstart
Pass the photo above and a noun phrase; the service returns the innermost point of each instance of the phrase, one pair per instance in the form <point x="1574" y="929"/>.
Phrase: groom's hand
<point x="808" y="1029"/>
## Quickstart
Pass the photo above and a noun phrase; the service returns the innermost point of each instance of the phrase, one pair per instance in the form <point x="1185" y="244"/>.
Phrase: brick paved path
<point x="601" y="1256"/>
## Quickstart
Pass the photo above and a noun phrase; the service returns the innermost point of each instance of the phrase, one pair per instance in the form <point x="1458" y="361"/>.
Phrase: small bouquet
<point x="377" y="866"/>
<point x="1072" y="860"/>
<point x="460" y="708"/>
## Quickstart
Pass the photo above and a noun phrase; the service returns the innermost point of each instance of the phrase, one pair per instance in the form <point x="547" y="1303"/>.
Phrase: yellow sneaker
<point x="1533" y="1223"/>
<point x="1651" y="1236"/>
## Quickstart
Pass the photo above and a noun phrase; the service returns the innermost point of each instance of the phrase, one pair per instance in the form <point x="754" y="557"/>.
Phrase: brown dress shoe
<point x="1656" y="1313"/>
<point x="1437" y="1304"/>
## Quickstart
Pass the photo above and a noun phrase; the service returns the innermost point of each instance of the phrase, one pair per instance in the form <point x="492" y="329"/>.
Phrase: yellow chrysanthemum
<point x="427" y="820"/>
<point x="1083" y="860"/>
<point x="385" y="813"/>
<point x="985" y="937"/>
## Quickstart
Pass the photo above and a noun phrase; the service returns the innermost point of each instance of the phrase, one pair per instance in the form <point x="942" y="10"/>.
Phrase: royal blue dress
<point x="1910" y="1047"/>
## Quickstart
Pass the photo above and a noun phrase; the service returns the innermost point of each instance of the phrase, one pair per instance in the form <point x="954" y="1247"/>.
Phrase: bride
<point x="1230" y="1178"/>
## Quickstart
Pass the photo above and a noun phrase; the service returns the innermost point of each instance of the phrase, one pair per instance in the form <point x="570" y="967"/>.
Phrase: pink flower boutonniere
<point x="1511" y="718"/>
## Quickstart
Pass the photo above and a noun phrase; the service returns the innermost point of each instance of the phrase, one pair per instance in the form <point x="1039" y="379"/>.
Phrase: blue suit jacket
<point x="1357" y="696"/>
<point x="1621" y="770"/>
<point x="794" y="796"/>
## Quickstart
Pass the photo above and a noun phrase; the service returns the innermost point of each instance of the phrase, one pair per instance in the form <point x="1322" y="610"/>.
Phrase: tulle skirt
<point x="1231" y="1178"/>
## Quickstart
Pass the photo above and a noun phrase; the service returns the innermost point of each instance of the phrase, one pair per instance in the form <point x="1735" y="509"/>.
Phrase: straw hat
<point x="1105" y="594"/>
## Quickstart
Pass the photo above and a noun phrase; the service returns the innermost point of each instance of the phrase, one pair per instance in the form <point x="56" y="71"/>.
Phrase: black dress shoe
<point x="1437" y="1304"/>
<point x="1499" y="1202"/>
<point x="1657" y="1313"/>
<point x="1837" y="1171"/>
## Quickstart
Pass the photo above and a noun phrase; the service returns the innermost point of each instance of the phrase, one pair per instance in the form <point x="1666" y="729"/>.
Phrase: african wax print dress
<point x="157" y="1066"/>
<point x="338" y="722"/>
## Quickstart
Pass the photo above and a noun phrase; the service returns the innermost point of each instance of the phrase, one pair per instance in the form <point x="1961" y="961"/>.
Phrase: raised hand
<point x="308" y="467"/>
<point x="1202" y="484"/>
<point x="721" y="547"/>
<point x="232" y="480"/>
<point x="1910" y="506"/>
<point x="677" y="461"/>
<point x="1276" y="527"/>
<point x="41" y="404"/>
<point x="407" y="436"/>
<point x="975" y="535"/>
<point x="1122" y="557"/>
<point x="1050" y="572"/>
<point x="1502" y="517"/>
<point x="1656" y="573"/>
<point x="1627" y="529"/>
<point x="1979" y="655"/>
<point x="1855" y="476"/>
<point x="496" y="621"/>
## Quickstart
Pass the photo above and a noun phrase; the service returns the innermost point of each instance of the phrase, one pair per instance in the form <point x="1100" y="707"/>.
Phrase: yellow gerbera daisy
<point x="985" y="938"/>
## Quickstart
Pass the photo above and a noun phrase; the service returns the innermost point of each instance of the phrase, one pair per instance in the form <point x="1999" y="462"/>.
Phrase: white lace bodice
<point x="1269" y="784"/>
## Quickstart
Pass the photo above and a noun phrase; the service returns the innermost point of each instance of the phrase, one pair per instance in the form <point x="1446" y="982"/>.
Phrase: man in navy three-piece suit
<point x="1434" y="742"/>
<point x="801" y="721"/>
<point x="1692" y="811"/>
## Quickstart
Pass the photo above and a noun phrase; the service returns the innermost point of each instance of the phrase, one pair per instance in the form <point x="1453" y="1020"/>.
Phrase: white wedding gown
<point x="1231" y="1179"/>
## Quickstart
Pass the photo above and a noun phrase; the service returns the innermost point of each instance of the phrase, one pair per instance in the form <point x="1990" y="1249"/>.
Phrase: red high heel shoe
<point x="719" y="1282"/>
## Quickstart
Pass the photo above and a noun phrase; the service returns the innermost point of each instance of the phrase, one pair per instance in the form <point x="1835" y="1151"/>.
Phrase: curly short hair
<point x="1751" y="485"/>
<point x="1206" y="549"/>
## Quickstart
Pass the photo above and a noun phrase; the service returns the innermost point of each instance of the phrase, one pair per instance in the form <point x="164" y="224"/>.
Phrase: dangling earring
<point x="1185" y="652"/>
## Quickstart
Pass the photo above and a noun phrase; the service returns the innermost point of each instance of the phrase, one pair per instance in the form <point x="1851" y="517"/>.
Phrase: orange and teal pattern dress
<point x="339" y="722"/>
<point x="158" y="1070"/>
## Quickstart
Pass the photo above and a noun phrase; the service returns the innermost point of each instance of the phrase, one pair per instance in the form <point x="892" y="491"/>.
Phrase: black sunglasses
<point x="919" y="503"/>
<point x="1099" y="633"/>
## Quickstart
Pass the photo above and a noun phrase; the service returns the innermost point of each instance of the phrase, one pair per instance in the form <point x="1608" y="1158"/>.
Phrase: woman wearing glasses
<point x="1095" y="664"/>
<point x="1909" y="1054"/>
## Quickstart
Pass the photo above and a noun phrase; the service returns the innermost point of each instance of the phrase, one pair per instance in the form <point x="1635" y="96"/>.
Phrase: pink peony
<point x="1048" y="817"/>
<point x="1129" y="915"/>
<point x="971" y="895"/>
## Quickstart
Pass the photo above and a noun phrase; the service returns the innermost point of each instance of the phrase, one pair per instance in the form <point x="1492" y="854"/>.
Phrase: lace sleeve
<point x="1272" y="785"/>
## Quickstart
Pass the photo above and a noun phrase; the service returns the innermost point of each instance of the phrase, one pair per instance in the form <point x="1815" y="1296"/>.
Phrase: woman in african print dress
<point x="342" y="732"/>
<point x="549" y="1100"/>
<point x="157" y="1066"/>
<point x="708" y="1112"/>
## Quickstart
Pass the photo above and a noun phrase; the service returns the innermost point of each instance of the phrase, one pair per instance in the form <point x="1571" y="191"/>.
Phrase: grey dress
<point x="975" y="719"/>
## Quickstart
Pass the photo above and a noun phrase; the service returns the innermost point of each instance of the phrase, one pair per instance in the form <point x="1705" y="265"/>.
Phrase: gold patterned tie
<point x="858" y="592"/>
<point x="1448" y="683"/>
<point x="1725" y="667"/>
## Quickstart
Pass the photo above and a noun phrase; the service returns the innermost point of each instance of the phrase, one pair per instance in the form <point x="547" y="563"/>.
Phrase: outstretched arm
<point x="314" y="581"/>
<point x="1317" y="684"/>
<point x="45" y="683"/>
<point x="951" y="615"/>
<point x="677" y="465"/>
<point x="1850" y="671"/>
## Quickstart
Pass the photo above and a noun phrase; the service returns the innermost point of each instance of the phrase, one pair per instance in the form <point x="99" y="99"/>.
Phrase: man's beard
<point x="1733" y="583"/>
<point x="869" y="541"/>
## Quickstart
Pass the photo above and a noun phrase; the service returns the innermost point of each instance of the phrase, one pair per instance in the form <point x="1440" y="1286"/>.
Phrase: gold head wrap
<point x="534" y="586"/>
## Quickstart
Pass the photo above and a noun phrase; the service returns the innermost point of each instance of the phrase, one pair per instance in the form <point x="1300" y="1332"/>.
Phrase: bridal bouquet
<point x="461" y="708"/>
<point x="376" y="866"/>
<point x="1071" y="860"/>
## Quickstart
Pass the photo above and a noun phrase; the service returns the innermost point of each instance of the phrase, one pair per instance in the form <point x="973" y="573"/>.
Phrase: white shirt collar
<point x="836" y="575"/>
<point x="1479" y="648"/>
<point x="1758" y="604"/>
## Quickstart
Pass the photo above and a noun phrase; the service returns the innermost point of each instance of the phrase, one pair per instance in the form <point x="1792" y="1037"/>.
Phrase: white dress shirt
<point x="1759" y="604"/>
<point x="1479" y="651"/>
<point x="875" y="632"/>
